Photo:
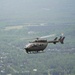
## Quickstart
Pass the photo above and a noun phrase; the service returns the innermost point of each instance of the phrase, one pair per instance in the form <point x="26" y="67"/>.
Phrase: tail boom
<point x="61" y="40"/>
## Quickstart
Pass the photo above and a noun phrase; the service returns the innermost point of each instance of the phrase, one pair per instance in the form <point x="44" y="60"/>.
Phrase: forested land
<point x="55" y="60"/>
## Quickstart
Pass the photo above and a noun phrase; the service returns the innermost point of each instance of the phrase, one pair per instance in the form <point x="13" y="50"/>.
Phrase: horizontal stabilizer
<point x="56" y="40"/>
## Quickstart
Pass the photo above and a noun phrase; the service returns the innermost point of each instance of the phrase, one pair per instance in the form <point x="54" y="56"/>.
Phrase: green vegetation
<point x="55" y="60"/>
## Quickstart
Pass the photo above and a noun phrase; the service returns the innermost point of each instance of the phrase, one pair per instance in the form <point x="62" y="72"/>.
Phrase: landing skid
<point x="34" y="52"/>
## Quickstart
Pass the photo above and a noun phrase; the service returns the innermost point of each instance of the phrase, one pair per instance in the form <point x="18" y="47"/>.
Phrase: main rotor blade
<point x="48" y="36"/>
<point x="38" y="37"/>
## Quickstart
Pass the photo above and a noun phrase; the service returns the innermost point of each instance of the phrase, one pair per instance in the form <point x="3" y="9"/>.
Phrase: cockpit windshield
<point x="28" y="44"/>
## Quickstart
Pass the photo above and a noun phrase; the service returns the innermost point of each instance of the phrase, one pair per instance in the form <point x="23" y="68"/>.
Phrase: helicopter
<point x="40" y="44"/>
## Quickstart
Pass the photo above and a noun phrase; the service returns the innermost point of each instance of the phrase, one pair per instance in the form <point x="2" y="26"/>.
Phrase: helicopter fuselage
<point x="35" y="47"/>
<point x="40" y="45"/>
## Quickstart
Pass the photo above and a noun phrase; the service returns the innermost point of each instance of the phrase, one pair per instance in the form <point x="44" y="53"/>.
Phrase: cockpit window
<point x="34" y="45"/>
<point x="28" y="44"/>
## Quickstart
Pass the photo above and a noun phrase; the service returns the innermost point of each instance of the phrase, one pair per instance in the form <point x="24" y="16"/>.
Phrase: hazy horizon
<point x="37" y="11"/>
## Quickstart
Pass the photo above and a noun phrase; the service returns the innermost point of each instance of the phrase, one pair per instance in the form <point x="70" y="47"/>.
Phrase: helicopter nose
<point x="26" y="48"/>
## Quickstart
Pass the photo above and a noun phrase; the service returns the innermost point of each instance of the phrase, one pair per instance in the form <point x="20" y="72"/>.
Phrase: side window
<point x="34" y="45"/>
<point x="40" y="44"/>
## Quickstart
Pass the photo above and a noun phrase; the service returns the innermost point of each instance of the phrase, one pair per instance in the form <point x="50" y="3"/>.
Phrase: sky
<point x="42" y="10"/>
